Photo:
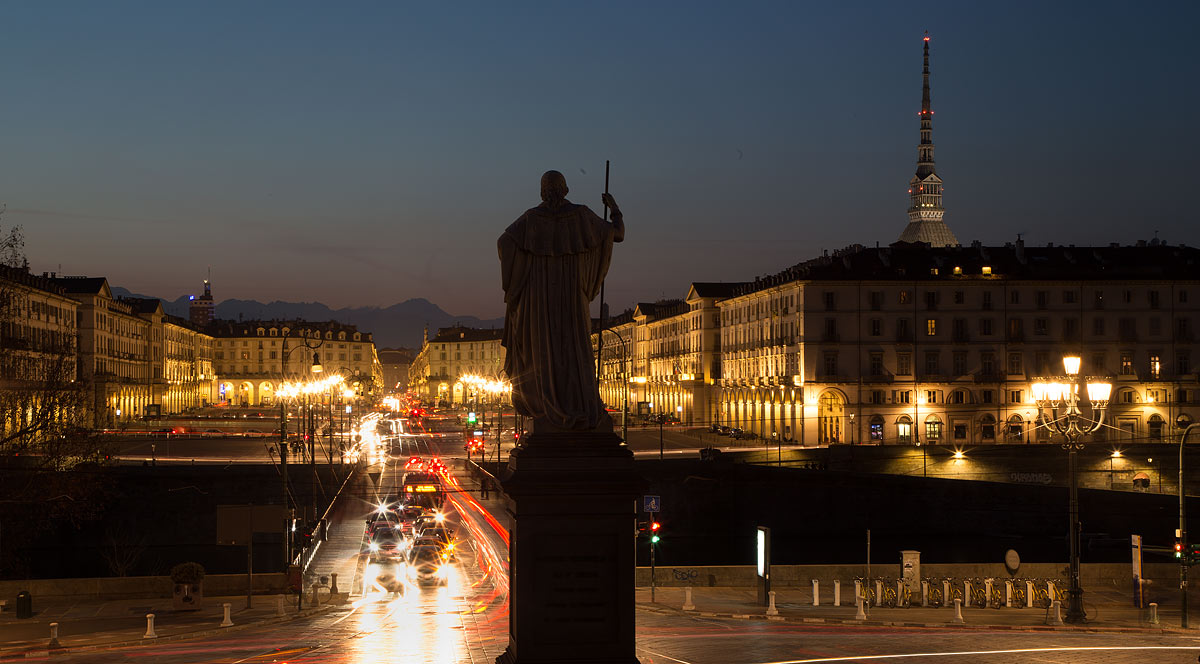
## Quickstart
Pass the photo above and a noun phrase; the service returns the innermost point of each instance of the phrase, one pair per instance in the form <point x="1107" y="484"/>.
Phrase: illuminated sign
<point x="420" y="488"/>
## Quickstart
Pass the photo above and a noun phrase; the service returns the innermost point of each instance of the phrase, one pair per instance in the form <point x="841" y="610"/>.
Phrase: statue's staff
<point x="600" y="333"/>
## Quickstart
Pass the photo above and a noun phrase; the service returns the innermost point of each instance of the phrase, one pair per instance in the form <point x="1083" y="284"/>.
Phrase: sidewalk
<point x="107" y="623"/>
<point x="795" y="604"/>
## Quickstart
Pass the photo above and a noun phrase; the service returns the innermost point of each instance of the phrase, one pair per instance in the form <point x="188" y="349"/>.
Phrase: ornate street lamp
<point x="1058" y="404"/>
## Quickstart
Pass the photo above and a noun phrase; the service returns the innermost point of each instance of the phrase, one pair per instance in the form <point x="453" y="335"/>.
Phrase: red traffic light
<point x="655" y="526"/>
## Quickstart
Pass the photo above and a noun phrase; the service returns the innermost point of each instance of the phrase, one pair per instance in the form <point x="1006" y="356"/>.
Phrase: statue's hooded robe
<point x="553" y="262"/>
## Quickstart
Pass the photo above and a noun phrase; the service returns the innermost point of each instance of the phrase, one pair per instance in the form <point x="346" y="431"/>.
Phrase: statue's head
<point x="554" y="187"/>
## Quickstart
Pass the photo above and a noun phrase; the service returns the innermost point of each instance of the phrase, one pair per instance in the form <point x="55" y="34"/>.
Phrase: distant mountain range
<point x="398" y="325"/>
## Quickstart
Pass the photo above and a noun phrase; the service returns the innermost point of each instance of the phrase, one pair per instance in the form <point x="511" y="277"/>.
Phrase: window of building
<point x="1153" y="298"/>
<point x="1041" y="326"/>
<point x="1098" y="326"/>
<point x="903" y="364"/>
<point x="1098" y="364"/>
<point x="1068" y="297"/>
<point x="876" y="327"/>
<point x="1070" y="329"/>
<point x="957" y="397"/>
<point x="902" y="330"/>
<point x="987" y="363"/>
<point x="902" y="396"/>
<point x="960" y="363"/>
<point x="930" y="327"/>
<point x="904" y="429"/>
<point x="876" y="299"/>
<point x="1128" y="296"/>
<point x="1155" y="326"/>
<point x="1183" y="330"/>
<point x="1126" y="364"/>
<point x="985" y="327"/>
<point x="877" y="396"/>
<point x="1043" y="299"/>
<point x="932" y="363"/>
<point x="1014" y="297"/>
<point x="903" y="297"/>
<point x="831" y="363"/>
<point x="876" y="429"/>
<point x="1154" y="426"/>
<point x="1125" y="396"/>
<point x="931" y="396"/>
<point x="876" y="364"/>
<point x="830" y="301"/>
<point x="933" y="429"/>
<point x="986" y="396"/>
<point x="987" y="300"/>
<point x="831" y="329"/>
<point x="987" y="427"/>
<point x="1014" y="364"/>
<point x="1183" y="297"/>
<point x="1016" y="396"/>
<point x="931" y="300"/>
<point x="1183" y="363"/>
<point x="1098" y="299"/>
<point x="960" y="431"/>
<point x="1016" y="429"/>
<point x="1155" y="366"/>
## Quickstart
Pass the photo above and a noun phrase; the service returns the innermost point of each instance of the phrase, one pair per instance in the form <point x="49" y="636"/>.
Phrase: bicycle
<point x="978" y="593"/>
<point x="866" y="592"/>
<point x="1060" y="591"/>
<point x="956" y="591"/>
<point x="1041" y="599"/>
<point x="904" y="598"/>
<point x="996" y="600"/>
<point x="889" y="595"/>
<point x="1018" y="594"/>
<point x="934" y="596"/>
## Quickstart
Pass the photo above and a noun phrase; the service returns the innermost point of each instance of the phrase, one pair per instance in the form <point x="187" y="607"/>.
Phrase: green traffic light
<point x="654" y="539"/>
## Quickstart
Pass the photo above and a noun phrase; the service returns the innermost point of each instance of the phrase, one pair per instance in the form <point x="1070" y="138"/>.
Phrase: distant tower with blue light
<point x="201" y="309"/>
<point x="925" y="209"/>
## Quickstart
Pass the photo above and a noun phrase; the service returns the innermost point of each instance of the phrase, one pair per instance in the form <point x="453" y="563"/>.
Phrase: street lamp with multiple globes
<point x="1058" y="404"/>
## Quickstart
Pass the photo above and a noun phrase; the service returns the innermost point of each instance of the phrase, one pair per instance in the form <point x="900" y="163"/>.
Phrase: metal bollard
<point x="967" y="594"/>
<point x="816" y="592"/>
<point x="54" y="636"/>
<point x="226" y="622"/>
<point x="150" y="627"/>
<point x="1008" y="593"/>
<point x="1029" y="594"/>
<point x="837" y="592"/>
<point x="333" y="583"/>
<point x="771" y="610"/>
<point x="687" y="599"/>
<point x="878" y="592"/>
<point x="1055" y="613"/>
<point x="279" y="603"/>
<point x="924" y="593"/>
<point x="1153" y="613"/>
<point x="958" y="619"/>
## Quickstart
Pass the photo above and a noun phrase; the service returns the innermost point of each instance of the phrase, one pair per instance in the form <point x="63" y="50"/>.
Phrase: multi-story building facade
<point x="187" y="366"/>
<point x="396" y="362"/>
<point x="254" y="358"/>
<point x="115" y="347"/>
<point x="452" y="353"/>
<point x="38" y="354"/>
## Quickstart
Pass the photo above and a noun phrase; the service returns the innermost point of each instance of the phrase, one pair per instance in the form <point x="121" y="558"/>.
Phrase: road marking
<point x="858" y="658"/>
<point x="659" y="654"/>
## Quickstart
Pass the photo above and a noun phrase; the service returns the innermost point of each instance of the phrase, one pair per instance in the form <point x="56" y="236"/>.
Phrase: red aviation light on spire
<point x="926" y="37"/>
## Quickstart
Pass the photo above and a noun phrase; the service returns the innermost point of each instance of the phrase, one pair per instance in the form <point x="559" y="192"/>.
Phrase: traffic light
<point x="655" y="527"/>
<point x="1192" y="552"/>
<point x="1178" y="550"/>
<point x="471" y="417"/>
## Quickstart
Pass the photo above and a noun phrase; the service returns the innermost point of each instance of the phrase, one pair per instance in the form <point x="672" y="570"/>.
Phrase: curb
<point x="182" y="636"/>
<point x="664" y="610"/>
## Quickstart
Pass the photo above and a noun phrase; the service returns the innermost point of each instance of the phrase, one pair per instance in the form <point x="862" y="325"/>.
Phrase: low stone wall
<point x="137" y="587"/>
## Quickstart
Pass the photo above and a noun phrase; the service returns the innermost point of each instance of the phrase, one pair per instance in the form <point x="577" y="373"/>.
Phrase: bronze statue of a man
<point x="553" y="260"/>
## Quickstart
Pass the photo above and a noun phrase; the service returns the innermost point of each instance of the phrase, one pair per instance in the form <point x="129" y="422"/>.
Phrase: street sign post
<point x="651" y="504"/>
<point x="236" y="525"/>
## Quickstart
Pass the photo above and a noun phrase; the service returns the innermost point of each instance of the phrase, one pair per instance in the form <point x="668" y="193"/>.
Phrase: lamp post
<point x="624" y="386"/>
<point x="1183" y="564"/>
<point x="1063" y="394"/>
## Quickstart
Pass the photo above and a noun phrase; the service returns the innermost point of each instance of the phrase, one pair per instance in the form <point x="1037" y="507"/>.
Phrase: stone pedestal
<point x="573" y="499"/>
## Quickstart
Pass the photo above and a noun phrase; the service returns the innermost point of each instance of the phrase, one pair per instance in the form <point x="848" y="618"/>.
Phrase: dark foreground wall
<point x="155" y="517"/>
<point x="710" y="510"/>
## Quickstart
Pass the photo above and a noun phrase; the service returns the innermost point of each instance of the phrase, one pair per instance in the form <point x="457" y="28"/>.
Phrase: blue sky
<point x="365" y="153"/>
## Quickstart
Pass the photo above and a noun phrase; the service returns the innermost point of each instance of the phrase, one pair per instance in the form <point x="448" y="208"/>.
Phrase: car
<point x="426" y="565"/>
<point x="386" y="544"/>
<point x="440" y="534"/>
<point x="380" y="520"/>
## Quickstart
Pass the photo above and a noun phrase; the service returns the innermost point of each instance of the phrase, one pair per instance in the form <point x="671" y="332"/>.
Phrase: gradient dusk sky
<point x="364" y="153"/>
